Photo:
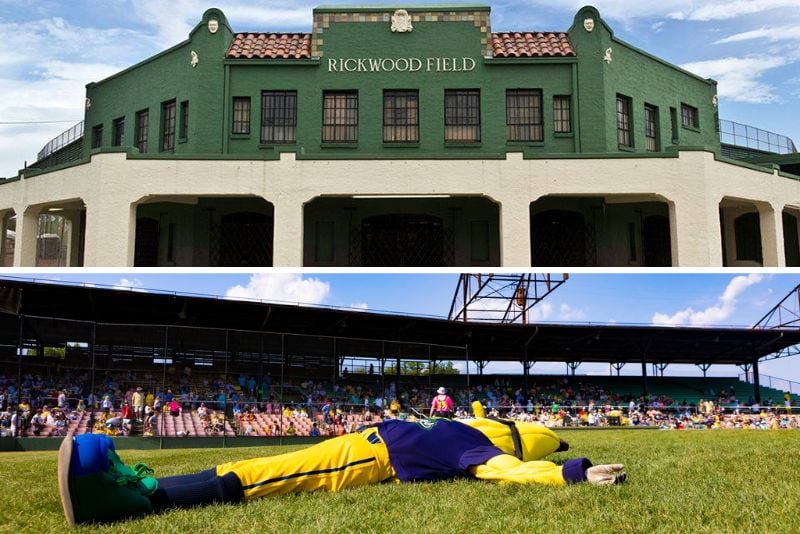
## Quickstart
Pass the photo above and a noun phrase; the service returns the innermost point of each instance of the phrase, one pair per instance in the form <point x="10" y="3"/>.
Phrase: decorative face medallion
<point x="213" y="25"/>
<point x="588" y="25"/>
<point x="401" y="21"/>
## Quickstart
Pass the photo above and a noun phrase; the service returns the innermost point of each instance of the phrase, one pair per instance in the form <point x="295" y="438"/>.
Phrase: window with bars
<point x="168" y="125"/>
<point x="278" y="116"/>
<point x="462" y="116"/>
<point x="118" y="132"/>
<point x="97" y="136"/>
<point x="624" y="138"/>
<point x="142" y="124"/>
<point x="562" y="114"/>
<point x="241" y="115"/>
<point x="651" y="128"/>
<point x="524" y="115"/>
<point x="340" y="117"/>
<point x="689" y="116"/>
<point x="184" y="129"/>
<point x="401" y="116"/>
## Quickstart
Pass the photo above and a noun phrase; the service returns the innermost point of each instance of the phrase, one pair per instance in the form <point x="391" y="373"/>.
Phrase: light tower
<point x="501" y="298"/>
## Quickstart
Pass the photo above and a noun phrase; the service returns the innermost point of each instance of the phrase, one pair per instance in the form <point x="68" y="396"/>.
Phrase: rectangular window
<point x="118" y="132"/>
<point x="624" y="138"/>
<point x="340" y="117"/>
<point x="524" y="115"/>
<point x="278" y="116"/>
<point x="562" y="114"/>
<point x="651" y="128"/>
<point x="241" y="115"/>
<point x="168" y="125"/>
<point x="689" y="116"/>
<point x="97" y="136"/>
<point x="184" y="130"/>
<point x="462" y="116"/>
<point x="401" y="116"/>
<point x="142" y="124"/>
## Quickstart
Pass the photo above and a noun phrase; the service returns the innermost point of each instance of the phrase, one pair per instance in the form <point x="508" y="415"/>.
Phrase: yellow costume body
<point x="363" y="458"/>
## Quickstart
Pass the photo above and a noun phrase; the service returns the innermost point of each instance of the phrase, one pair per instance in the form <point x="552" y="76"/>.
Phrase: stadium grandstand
<point x="161" y="365"/>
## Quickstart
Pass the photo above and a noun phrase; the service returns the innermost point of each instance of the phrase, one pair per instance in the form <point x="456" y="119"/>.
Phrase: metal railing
<point x="65" y="138"/>
<point x="773" y="382"/>
<point x="742" y="135"/>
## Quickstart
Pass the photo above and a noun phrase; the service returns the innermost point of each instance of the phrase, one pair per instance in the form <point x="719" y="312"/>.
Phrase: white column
<point x="287" y="245"/>
<point x="694" y="230"/>
<point x="109" y="240"/>
<point x="26" y="238"/>
<point x="771" y="219"/>
<point x="515" y="231"/>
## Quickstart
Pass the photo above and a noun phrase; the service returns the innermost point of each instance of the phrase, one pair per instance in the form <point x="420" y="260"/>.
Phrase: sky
<point x="667" y="299"/>
<point x="50" y="49"/>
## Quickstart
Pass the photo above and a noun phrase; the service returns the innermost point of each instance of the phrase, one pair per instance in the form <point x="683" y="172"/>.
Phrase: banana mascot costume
<point x="96" y="486"/>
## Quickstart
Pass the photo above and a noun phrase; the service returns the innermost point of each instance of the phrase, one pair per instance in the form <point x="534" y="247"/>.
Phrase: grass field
<point x="693" y="481"/>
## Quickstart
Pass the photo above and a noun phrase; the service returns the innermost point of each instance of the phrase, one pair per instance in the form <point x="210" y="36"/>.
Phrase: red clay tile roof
<point x="270" y="46"/>
<point x="531" y="44"/>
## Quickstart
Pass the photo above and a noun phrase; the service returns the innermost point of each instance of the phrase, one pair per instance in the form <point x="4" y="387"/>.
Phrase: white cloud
<point x="726" y="9"/>
<point x="125" y="283"/>
<point x="722" y="310"/>
<point x="773" y="34"/>
<point x="174" y="20"/>
<point x="694" y="10"/>
<point x="282" y="287"/>
<point x="567" y="313"/>
<point x="738" y="77"/>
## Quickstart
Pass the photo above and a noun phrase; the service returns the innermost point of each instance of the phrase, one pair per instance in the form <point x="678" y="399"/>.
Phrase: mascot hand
<point x="477" y="409"/>
<point x="606" y="474"/>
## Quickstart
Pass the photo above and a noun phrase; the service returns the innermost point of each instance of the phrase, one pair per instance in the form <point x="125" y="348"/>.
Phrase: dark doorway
<point x="747" y="229"/>
<point x="656" y="241"/>
<point x="245" y="240"/>
<point x="402" y="240"/>
<point x="146" y="244"/>
<point x="558" y="239"/>
<point x="791" y="245"/>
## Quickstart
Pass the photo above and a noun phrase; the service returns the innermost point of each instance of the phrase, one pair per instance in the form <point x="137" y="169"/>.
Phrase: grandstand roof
<point x="488" y="342"/>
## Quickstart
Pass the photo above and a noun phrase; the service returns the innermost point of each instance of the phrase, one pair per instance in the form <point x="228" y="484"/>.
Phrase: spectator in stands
<point x="138" y="404"/>
<point x="291" y="430"/>
<point x="442" y="404"/>
<point x="174" y="407"/>
<point x="314" y="430"/>
<point x="37" y="422"/>
<point x="106" y="405"/>
<point x="394" y="408"/>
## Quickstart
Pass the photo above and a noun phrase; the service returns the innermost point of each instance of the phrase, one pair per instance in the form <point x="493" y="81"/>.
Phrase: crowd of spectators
<point x="127" y="401"/>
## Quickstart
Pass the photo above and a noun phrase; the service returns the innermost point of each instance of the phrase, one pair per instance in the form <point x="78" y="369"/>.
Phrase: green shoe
<point x="95" y="485"/>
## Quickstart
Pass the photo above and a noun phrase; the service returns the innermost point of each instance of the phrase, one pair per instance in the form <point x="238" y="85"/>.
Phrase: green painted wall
<point x="592" y="82"/>
<point x="645" y="80"/>
<point x="164" y="77"/>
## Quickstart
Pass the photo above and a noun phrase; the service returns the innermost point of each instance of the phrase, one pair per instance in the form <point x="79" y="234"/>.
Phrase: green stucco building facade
<point x="403" y="136"/>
